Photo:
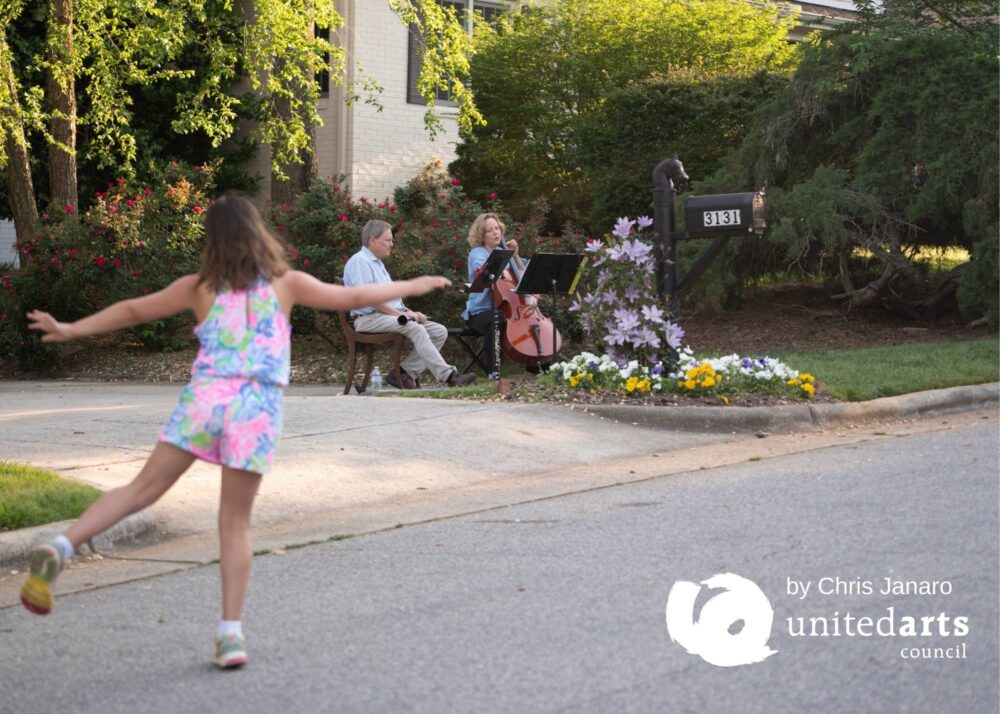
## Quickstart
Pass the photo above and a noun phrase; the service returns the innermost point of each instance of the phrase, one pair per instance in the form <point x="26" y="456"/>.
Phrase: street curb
<point x="16" y="546"/>
<point x="801" y="417"/>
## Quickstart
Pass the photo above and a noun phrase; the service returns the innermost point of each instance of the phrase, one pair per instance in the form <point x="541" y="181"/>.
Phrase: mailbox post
<point x="665" y="174"/>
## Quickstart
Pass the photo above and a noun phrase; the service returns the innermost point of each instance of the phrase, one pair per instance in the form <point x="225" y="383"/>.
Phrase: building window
<point x="323" y="78"/>
<point x="467" y="11"/>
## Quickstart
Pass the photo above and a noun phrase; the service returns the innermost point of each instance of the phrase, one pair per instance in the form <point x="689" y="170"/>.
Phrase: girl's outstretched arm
<point x="311" y="292"/>
<point x="177" y="297"/>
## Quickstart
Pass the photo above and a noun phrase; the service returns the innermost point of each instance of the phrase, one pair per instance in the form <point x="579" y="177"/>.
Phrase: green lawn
<point x="872" y="372"/>
<point x="34" y="497"/>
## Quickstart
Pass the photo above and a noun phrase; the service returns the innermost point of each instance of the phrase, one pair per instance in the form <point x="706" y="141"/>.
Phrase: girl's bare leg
<point x="239" y="488"/>
<point x="161" y="471"/>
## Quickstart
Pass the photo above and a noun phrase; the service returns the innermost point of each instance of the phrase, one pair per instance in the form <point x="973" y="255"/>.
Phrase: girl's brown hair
<point x="477" y="231"/>
<point x="238" y="246"/>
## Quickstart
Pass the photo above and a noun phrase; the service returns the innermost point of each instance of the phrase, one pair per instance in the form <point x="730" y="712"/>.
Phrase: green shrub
<point x="643" y="123"/>
<point x="979" y="289"/>
<point x="136" y="238"/>
<point x="885" y="140"/>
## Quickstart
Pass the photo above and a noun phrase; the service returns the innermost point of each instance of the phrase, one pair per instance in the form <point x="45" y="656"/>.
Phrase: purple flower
<point x="635" y="250"/>
<point x="592" y="365"/>
<point x="646" y="337"/>
<point x="644" y="222"/>
<point x="593" y="245"/>
<point x="627" y="319"/>
<point x="575" y="305"/>
<point x="632" y="293"/>
<point x="608" y="297"/>
<point x="615" y="336"/>
<point x="652" y="313"/>
<point x="657" y="370"/>
<point x="674" y="334"/>
<point x="622" y="228"/>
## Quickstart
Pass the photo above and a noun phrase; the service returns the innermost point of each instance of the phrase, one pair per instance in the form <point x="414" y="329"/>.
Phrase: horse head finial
<point x="670" y="168"/>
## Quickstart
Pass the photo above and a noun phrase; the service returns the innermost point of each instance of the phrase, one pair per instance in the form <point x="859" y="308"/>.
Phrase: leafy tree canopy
<point x="132" y="75"/>
<point x="543" y="71"/>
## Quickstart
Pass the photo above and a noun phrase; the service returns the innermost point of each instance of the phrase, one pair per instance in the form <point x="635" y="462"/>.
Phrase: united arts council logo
<point x="732" y="628"/>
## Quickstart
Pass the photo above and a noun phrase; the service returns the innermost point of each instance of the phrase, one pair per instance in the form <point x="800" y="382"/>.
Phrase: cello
<point x="528" y="337"/>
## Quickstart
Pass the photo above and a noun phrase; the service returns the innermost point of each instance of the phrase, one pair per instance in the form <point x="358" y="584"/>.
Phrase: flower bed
<point x="725" y="377"/>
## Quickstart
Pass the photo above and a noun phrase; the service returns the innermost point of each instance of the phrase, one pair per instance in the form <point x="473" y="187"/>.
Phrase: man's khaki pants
<point x="427" y="340"/>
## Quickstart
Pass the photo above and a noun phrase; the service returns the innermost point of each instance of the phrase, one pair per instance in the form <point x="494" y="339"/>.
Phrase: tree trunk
<point x="299" y="176"/>
<point x="20" y="188"/>
<point x="62" y="100"/>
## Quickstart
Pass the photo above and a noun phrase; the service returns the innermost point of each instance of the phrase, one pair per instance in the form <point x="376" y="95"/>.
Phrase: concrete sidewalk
<point x="350" y="464"/>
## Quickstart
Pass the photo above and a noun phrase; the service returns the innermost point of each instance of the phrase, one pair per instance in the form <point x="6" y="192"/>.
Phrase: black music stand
<point x="486" y="278"/>
<point x="555" y="274"/>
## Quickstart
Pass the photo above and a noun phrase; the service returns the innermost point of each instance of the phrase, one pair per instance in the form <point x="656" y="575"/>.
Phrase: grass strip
<point x="34" y="497"/>
<point x="871" y="372"/>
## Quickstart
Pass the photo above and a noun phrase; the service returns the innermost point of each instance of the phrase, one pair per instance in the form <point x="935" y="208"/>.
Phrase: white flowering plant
<point x="600" y="372"/>
<point x="735" y="374"/>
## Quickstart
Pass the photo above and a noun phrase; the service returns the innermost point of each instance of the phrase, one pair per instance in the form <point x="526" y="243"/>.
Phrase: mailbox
<point x="724" y="214"/>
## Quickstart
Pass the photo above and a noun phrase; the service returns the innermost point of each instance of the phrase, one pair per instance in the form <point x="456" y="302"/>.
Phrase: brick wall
<point x="390" y="147"/>
<point x="377" y="150"/>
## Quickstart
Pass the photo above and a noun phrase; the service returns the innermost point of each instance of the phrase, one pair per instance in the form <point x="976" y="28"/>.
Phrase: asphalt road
<point x="558" y="605"/>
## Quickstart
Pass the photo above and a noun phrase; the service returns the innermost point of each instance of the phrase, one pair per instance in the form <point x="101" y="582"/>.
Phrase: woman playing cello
<point x="527" y="334"/>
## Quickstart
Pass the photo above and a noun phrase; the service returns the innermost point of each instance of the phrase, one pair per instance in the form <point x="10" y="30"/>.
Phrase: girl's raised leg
<point x="164" y="466"/>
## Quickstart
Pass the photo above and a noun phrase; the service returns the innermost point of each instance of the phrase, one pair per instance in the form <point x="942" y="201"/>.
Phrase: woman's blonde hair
<point x="477" y="231"/>
<point x="239" y="248"/>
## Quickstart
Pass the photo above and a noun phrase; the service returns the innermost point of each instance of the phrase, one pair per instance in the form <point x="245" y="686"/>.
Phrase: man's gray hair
<point x="373" y="229"/>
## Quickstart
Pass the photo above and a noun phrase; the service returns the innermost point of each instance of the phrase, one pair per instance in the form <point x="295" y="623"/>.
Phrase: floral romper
<point x="231" y="412"/>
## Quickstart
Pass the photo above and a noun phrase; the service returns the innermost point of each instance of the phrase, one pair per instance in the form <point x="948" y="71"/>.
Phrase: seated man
<point x="365" y="267"/>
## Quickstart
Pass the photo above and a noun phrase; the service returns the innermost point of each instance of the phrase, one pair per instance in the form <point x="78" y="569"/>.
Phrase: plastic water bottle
<point x="376" y="383"/>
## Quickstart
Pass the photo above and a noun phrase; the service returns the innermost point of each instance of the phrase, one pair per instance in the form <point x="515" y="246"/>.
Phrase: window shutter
<point x="414" y="47"/>
<point x="490" y="12"/>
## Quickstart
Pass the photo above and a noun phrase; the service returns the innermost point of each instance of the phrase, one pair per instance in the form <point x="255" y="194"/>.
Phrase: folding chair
<point x="466" y="337"/>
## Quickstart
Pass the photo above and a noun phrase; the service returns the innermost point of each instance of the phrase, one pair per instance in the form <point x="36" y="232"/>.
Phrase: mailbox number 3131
<point x="721" y="218"/>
